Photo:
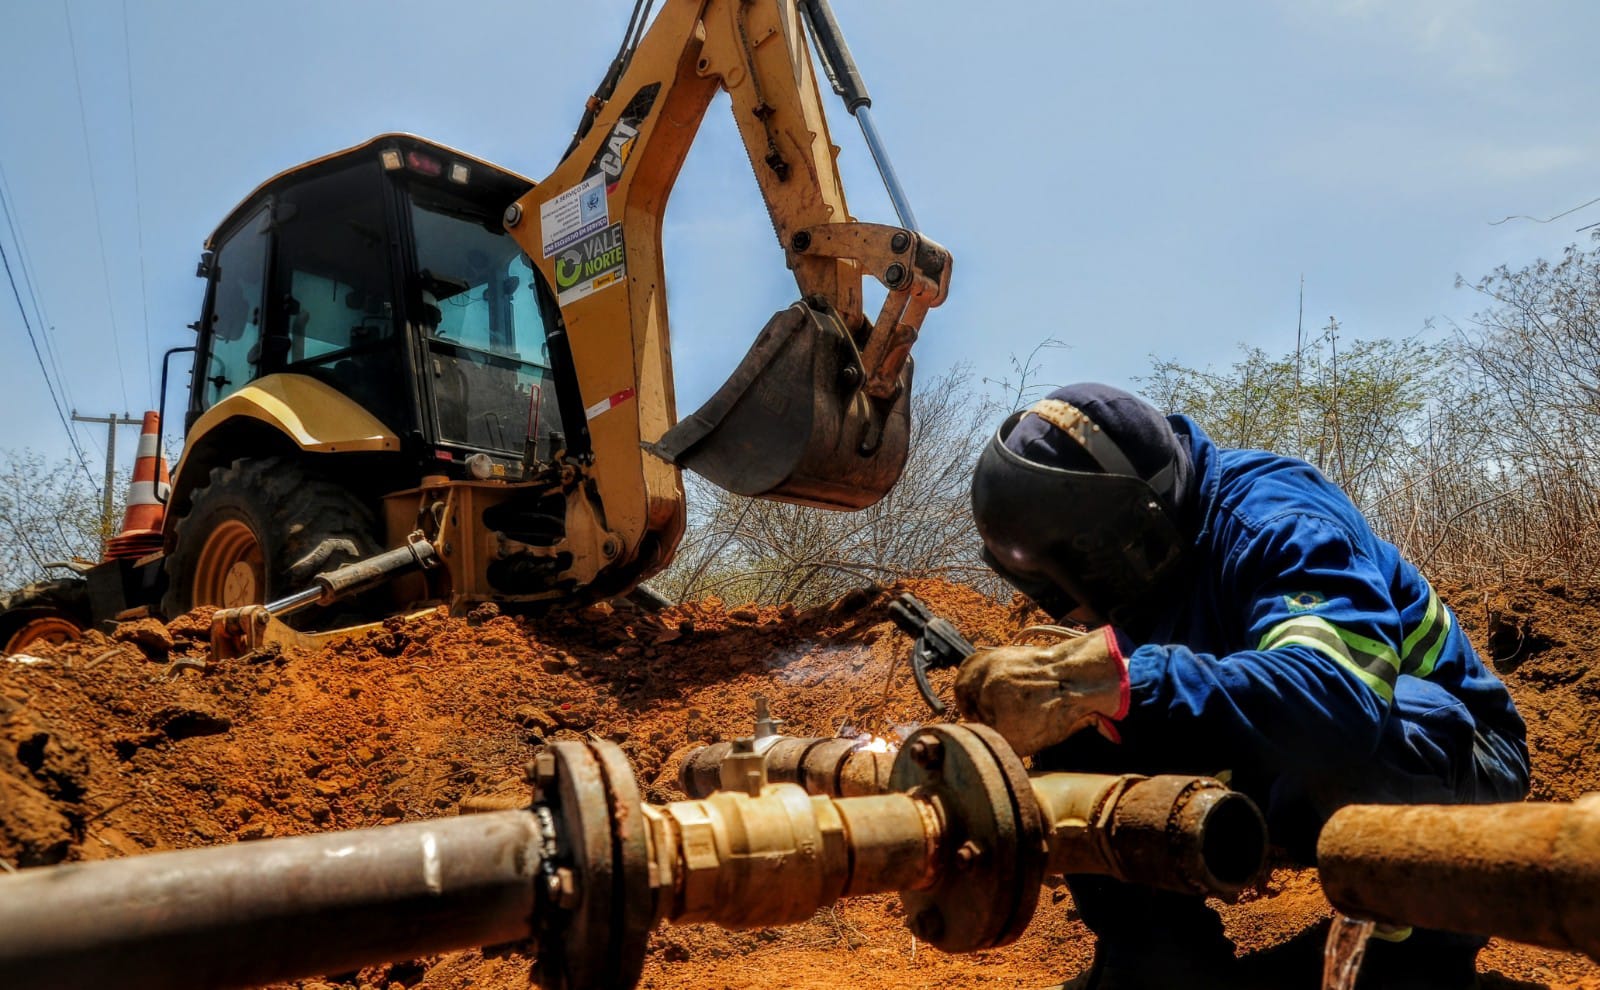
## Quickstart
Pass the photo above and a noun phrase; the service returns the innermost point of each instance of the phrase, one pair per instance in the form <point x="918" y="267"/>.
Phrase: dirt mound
<point x="108" y="749"/>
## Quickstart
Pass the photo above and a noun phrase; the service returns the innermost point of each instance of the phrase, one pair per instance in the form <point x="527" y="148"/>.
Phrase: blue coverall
<point x="1305" y="659"/>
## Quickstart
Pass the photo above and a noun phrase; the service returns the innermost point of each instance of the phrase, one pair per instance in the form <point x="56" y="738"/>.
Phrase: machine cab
<point x="384" y="272"/>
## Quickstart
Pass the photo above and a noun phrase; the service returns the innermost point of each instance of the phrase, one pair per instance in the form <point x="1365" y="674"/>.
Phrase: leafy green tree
<point x="1354" y="410"/>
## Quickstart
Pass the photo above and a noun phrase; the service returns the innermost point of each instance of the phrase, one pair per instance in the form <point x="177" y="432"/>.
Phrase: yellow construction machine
<point x="405" y="346"/>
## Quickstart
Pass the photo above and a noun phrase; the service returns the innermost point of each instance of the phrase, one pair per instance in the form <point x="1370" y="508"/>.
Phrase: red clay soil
<point x="107" y="751"/>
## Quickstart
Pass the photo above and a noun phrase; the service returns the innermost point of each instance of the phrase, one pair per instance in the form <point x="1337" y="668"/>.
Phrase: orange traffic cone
<point x="147" y="498"/>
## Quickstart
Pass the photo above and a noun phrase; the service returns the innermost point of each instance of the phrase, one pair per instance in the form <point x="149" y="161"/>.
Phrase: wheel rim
<point x="53" y="629"/>
<point x="231" y="570"/>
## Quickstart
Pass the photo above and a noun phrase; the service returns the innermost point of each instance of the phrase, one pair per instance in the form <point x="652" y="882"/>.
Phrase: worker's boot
<point x="1150" y="939"/>
<point x="1426" y="960"/>
<point x="1164" y="967"/>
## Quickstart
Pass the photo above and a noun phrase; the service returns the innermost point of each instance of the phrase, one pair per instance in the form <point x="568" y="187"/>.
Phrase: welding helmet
<point x="1078" y="499"/>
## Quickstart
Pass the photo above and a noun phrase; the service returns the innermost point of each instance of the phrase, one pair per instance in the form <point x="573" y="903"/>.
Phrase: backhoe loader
<point x="402" y="342"/>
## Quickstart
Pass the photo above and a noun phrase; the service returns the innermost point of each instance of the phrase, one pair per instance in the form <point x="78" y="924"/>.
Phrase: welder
<point x="1244" y="621"/>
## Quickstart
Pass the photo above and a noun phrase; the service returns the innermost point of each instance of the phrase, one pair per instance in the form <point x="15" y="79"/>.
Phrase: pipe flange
<point x="992" y="857"/>
<point x="594" y="910"/>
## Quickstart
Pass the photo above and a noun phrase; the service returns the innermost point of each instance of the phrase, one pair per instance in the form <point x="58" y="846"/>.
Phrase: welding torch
<point x="936" y="643"/>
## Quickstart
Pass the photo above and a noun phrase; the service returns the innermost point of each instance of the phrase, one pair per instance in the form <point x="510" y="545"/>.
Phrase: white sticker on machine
<point x="574" y="214"/>
<point x="590" y="265"/>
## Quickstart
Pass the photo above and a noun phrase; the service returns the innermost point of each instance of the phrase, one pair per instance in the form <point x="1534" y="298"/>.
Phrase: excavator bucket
<point x="792" y="424"/>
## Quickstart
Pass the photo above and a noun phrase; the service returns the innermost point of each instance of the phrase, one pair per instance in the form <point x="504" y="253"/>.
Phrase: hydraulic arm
<point x="818" y="411"/>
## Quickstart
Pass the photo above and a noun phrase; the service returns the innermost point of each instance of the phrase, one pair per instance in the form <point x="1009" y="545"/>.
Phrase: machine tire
<point x="51" y="611"/>
<point x="262" y="529"/>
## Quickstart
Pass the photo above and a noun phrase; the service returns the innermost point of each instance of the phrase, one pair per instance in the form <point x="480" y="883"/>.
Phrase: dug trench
<point x="106" y="751"/>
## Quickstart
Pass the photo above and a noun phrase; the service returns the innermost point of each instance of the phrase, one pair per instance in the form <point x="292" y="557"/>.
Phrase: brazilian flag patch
<point x="1304" y="601"/>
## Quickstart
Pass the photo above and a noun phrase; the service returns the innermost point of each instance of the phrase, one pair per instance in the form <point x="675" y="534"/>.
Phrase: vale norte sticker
<point x="590" y="265"/>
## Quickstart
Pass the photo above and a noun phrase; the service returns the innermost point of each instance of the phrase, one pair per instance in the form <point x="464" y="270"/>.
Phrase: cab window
<point x="334" y="317"/>
<point x="233" y="339"/>
<point x="488" y="363"/>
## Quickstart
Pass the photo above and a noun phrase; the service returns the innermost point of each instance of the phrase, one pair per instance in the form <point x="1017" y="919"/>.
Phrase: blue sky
<point x="1133" y="179"/>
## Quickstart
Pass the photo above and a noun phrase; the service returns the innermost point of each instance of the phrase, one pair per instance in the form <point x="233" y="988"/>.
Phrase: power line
<point x="29" y="284"/>
<point x="94" y="202"/>
<point x="1558" y="216"/>
<point x="138" y="203"/>
<point x="50" y="386"/>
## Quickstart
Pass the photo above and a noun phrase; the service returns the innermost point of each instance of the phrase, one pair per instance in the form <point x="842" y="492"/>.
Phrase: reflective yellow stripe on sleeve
<point x="1421" y="650"/>
<point x="1374" y="663"/>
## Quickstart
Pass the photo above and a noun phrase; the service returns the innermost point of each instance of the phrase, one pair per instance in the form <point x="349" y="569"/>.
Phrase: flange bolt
<point x="542" y="771"/>
<point x="968" y="855"/>
<point x="927" y="753"/>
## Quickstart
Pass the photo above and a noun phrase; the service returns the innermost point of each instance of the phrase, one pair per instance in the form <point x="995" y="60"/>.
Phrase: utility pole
<point x="111" y="423"/>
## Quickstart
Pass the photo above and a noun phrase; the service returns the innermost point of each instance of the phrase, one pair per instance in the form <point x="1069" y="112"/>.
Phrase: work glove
<point x="1037" y="696"/>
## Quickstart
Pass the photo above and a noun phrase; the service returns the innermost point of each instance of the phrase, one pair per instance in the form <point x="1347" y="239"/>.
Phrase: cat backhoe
<point x="404" y="345"/>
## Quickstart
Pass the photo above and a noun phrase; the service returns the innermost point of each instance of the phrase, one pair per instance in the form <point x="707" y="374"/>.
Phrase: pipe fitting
<point x="1186" y="834"/>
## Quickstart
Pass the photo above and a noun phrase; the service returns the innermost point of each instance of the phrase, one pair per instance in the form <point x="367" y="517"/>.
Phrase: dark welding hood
<point x="1105" y="540"/>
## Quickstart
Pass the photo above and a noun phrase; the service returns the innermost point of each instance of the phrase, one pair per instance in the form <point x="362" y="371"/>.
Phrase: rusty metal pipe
<point x="255" y="913"/>
<point x="1188" y="834"/>
<point x="893" y="842"/>
<point x="1527" y="872"/>
<point x="964" y="834"/>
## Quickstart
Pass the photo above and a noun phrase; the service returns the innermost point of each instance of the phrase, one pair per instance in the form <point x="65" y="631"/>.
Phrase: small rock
<point x="329" y="788"/>
<point x="185" y="723"/>
<point x="675" y="952"/>
<point x="575" y="715"/>
<point x="148" y="635"/>
<point x="533" y="717"/>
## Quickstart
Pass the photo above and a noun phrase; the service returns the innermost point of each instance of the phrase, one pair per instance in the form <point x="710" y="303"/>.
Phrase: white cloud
<point x="1503" y="162"/>
<point x="1369" y="155"/>
<point x="1456" y="36"/>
